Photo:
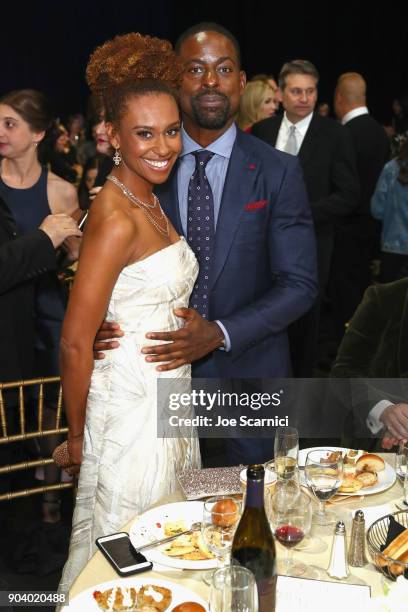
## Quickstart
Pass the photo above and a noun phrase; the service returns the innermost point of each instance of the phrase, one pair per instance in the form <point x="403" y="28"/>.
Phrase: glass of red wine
<point x="291" y="520"/>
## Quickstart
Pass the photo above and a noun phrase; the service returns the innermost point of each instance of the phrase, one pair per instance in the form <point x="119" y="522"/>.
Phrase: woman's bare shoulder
<point x="108" y="215"/>
<point x="62" y="194"/>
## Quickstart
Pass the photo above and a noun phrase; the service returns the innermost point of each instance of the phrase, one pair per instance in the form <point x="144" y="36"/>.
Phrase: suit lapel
<point x="403" y="341"/>
<point x="168" y="196"/>
<point x="274" y="130"/>
<point x="238" y="188"/>
<point x="310" y="140"/>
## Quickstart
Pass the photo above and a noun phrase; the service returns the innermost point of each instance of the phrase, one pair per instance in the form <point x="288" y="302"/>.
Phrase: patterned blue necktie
<point x="200" y="230"/>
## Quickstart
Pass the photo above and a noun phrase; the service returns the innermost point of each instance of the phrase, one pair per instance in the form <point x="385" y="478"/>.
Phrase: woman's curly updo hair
<point x="129" y="65"/>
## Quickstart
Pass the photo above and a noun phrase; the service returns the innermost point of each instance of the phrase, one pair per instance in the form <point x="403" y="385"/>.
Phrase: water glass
<point x="233" y="589"/>
<point x="221" y="516"/>
<point x="324" y="474"/>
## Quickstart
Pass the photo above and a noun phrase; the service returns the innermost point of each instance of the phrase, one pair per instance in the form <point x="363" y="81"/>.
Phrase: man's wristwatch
<point x="223" y="344"/>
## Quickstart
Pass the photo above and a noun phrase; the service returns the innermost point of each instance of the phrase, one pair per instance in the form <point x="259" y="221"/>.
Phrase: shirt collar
<point x="301" y="125"/>
<point x="222" y="146"/>
<point x="356" y="112"/>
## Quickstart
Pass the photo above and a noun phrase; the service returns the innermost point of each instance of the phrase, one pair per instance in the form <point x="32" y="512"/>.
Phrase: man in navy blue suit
<point x="263" y="270"/>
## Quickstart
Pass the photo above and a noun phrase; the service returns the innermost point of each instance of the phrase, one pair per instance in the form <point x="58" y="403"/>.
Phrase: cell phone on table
<point x="121" y="554"/>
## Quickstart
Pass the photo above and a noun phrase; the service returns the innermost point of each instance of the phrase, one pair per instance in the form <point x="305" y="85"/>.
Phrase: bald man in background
<point x="356" y="238"/>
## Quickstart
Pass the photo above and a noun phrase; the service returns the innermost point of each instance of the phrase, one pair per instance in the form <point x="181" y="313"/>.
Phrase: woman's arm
<point x="63" y="198"/>
<point x="107" y="248"/>
<point x="379" y="198"/>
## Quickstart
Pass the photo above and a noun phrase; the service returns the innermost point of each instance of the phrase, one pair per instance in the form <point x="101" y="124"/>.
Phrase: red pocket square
<point x="256" y="205"/>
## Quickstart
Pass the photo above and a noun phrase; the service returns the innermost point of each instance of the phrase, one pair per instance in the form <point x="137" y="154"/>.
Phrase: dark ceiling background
<point x="46" y="44"/>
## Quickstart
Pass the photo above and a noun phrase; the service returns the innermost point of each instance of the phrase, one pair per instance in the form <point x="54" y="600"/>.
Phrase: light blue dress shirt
<point x="216" y="171"/>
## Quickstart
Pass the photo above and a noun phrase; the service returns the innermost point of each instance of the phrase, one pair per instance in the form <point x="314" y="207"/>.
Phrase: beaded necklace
<point x="145" y="207"/>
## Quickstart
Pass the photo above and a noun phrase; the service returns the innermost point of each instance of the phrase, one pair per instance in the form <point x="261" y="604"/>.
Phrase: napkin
<point x="394" y="530"/>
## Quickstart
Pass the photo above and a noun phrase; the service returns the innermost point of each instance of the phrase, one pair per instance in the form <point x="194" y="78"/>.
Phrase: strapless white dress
<point x="125" y="467"/>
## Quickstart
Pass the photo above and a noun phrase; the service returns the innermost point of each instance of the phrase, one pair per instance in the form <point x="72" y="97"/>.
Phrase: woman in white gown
<point x="134" y="267"/>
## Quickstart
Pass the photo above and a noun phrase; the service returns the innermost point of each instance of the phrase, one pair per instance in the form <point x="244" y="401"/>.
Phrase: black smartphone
<point x="120" y="553"/>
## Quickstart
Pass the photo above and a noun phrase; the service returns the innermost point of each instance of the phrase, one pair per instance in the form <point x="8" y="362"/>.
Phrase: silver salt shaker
<point x="356" y="553"/>
<point x="338" y="567"/>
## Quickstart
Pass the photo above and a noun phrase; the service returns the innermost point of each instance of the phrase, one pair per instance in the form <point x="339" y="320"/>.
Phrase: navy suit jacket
<point x="264" y="266"/>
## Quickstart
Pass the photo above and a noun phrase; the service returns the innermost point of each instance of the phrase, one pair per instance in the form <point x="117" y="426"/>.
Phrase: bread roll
<point x="367" y="479"/>
<point x="398" y="547"/>
<point x="350" y="485"/>
<point x="370" y="463"/>
<point x="189" y="606"/>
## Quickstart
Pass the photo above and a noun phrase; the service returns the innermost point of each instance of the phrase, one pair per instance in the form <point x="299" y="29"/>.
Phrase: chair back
<point x="29" y="427"/>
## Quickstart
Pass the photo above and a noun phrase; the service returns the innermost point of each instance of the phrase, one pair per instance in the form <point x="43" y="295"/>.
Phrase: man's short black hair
<point x="208" y="26"/>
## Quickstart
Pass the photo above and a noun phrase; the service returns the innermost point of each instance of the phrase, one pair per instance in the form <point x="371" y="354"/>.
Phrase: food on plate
<point x="351" y="455"/>
<point x="332" y="457"/>
<point x="370" y="463"/>
<point x="362" y="473"/>
<point x="174" y="527"/>
<point x="153" y="596"/>
<point x="116" y="599"/>
<point x="225" y="513"/>
<point x="367" y="479"/>
<point x="150" y="598"/>
<point x="350" y="485"/>
<point x="189" y="606"/>
<point x="190" y="547"/>
<point x="359" y="468"/>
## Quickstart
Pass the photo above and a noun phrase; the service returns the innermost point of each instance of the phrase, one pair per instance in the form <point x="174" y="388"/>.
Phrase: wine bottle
<point x="253" y="545"/>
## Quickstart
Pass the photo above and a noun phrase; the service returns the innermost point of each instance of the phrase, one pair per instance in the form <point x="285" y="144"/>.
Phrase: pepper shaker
<point x="356" y="554"/>
<point x="338" y="559"/>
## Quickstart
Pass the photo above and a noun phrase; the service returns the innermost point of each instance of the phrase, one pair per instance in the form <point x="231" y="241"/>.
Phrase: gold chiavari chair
<point x="37" y="433"/>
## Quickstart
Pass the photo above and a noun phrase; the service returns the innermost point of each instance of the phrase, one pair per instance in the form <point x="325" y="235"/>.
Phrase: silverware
<point x="194" y="527"/>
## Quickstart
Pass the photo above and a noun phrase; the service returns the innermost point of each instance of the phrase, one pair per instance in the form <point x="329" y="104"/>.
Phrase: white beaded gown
<point x="125" y="467"/>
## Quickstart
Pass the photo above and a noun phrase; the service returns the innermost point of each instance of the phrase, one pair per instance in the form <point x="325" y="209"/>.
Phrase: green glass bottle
<point x="253" y="546"/>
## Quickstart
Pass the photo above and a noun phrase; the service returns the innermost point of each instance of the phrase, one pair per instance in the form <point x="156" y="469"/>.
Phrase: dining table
<point x="315" y="552"/>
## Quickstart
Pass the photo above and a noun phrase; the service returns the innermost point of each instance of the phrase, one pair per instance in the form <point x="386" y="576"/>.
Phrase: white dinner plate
<point x="386" y="478"/>
<point x="150" y="527"/>
<point x="85" y="601"/>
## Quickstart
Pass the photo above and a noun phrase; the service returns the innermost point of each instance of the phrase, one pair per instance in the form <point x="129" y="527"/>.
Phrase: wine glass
<point x="221" y="515"/>
<point x="401" y="468"/>
<point x="233" y="589"/>
<point x="324" y="473"/>
<point x="291" y="520"/>
<point x="286" y="451"/>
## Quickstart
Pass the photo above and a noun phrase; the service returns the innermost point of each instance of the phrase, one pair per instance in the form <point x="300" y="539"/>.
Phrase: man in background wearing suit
<point x="259" y="272"/>
<point x="357" y="238"/>
<point x="327" y="158"/>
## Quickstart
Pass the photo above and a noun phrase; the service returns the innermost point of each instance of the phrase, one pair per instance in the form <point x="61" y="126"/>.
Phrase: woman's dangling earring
<point x="117" y="158"/>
